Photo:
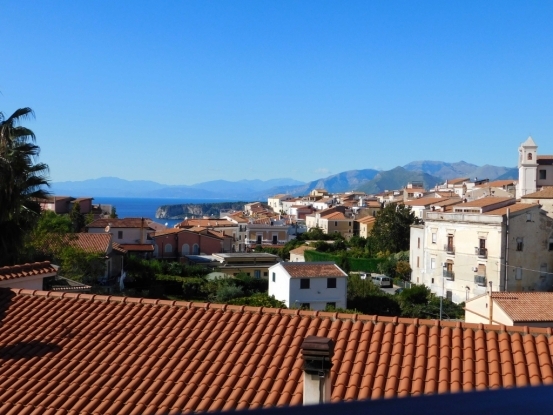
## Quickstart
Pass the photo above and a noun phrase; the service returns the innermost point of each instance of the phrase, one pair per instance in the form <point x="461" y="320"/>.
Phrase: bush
<point x="225" y="293"/>
<point x="258" y="300"/>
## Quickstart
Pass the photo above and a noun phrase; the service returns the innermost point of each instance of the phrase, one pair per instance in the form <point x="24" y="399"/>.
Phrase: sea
<point x="137" y="207"/>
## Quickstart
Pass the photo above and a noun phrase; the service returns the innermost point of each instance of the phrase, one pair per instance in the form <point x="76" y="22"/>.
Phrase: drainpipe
<point x="490" y="304"/>
<point x="506" y="251"/>
<point x="317" y="355"/>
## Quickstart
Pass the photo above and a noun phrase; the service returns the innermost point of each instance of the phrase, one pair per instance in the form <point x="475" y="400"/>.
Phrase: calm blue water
<point x="134" y="207"/>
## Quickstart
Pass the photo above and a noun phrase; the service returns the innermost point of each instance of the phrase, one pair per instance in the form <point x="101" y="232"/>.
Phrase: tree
<point x="392" y="228"/>
<point x="22" y="183"/>
<point x="113" y="214"/>
<point x="77" y="218"/>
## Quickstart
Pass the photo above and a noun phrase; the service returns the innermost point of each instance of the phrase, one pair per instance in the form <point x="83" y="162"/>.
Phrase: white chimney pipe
<point x="317" y="355"/>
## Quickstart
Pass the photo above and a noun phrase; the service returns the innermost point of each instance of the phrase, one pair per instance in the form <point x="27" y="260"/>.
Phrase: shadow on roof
<point x="27" y="350"/>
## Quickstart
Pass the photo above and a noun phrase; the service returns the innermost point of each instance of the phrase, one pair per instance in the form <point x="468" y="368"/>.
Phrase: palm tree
<point x="22" y="182"/>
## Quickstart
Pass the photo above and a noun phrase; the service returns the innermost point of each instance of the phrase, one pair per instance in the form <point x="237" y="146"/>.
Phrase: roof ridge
<point x="395" y="320"/>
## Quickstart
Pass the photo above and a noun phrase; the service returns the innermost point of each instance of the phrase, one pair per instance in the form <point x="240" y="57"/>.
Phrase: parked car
<point x="382" y="281"/>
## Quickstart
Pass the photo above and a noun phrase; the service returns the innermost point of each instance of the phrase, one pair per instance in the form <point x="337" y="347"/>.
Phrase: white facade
<point x="464" y="252"/>
<point x="317" y="296"/>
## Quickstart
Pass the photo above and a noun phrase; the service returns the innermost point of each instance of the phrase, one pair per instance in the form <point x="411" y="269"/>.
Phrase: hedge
<point x="355" y="264"/>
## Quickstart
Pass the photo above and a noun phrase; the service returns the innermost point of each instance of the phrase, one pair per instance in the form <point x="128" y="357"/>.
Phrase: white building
<point x="491" y="240"/>
<point x="310" y="285"/>
<point x="511" y="309"/>
<point x="534" y="171"/>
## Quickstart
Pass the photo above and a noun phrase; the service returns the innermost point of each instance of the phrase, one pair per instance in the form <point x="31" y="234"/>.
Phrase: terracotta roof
<point x="527" y="306"/>
<point x="498" y="183"/>
<point x="366" y="219"/>
<point x="458" y="180"/>
<point x="123" y="223"/>
<point x="90" y="354"/>
<point x="166" y="232"/>
<point x="312" y="269"/>
<point x="91" y="242"/>
<point x="447" y="202"/>
<point x="516" y="208"/>
<point x="301" y="249"/>
<point x="26" y="270"/>
<point x="335" y="216"/>
<point x="422" y="201"/>
<point x="207" y="223"/>
<point x="485" y="201"/>
<point x="546" y="192"/>
<point x="544" y="160"/>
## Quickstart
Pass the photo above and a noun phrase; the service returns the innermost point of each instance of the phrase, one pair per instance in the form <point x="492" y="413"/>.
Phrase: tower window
<point x="529" y="156"/>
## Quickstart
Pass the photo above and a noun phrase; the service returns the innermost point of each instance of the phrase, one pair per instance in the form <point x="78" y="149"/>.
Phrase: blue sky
<point x="182" y="92"/>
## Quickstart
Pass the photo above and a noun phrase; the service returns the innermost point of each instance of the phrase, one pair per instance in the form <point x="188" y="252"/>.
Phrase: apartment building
<point x="331" y="220"/>
<point x="458" y="254"/>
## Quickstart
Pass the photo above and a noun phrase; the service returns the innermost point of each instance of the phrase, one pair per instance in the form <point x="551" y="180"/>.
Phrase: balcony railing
<point x="480" y="280"/>
<point x="481" y="252"/>
<point x="449" y="275"/>
<point x="450" y="249"/>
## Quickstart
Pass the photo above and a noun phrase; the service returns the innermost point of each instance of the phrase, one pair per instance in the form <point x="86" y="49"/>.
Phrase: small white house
<point x="310" y="285"/>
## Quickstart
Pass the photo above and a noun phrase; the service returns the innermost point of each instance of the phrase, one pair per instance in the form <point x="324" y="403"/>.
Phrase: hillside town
<point x="232" y="312"/>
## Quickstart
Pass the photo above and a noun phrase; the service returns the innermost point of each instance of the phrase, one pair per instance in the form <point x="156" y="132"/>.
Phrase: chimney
<point x="317" y="355"/>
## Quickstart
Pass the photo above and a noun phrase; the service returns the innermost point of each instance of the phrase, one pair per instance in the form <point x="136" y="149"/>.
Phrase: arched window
<point x="168" y="249"/>
<point x="529" y="156"/>
<point x="186" y="249"/>
<point x="195" y="249"/>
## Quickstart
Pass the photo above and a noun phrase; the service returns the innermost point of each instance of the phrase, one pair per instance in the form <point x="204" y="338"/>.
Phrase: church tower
<point x="527" y="168"/>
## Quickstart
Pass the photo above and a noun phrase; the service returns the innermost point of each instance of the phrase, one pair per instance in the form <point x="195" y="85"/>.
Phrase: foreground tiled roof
<point x="84" y="354"/>
<point x="312" y="269"/>
<point x="26" y="270"/>
<point x="526" y="306"/>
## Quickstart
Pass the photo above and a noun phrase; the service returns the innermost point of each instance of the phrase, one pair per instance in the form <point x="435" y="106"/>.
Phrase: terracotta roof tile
<point x="125" y="223"/>
<point x="312" y="269"/>
<point x="546" y="192"/>
<point x="91" y="242"/>
<point x="526" y="306"/>
<point x="99" y="354"/>
<point x="26" y="270"/>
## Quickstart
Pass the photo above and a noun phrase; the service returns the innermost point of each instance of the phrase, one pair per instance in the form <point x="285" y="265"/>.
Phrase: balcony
<point x="450" y="249"/>
<point x="481" y="252"/>
<point x="480" y="280"/>
<point x="449" y="275"/>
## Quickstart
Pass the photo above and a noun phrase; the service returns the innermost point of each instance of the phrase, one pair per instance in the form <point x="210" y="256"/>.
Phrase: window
<point x="195" y="249"/>
<point x="418" y="262"/>
<point x="543" y="174"/>
<point x="529" y="156"/>
<point x="551" y="244"/>
<point x="518" y="273"/>
<point x="168" y="249"/>
<point x="257" y="274"/>
<point x="520" y="243"/>
<point x="331" y="283"/>
<point x="432" y="263"/>
<point x="259" y="238"/>
<point x="434" y="237"/>
<point x="274" y="277"/>
<point x="275" y="239"/>
<point x="185" y="249"/>
<point x="304" y="284"/>
<point x="449" y="295"/>
<point x="432" y="280"/>
<point x="543" y="270"/>
<point x="335" y="223"/>
<point x="119" y="234"/>
<point x="265" y="274"/>
<point x="418" y="243"/>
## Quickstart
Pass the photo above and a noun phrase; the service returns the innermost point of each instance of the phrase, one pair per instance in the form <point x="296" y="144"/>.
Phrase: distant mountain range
<point x="367" y="180"/>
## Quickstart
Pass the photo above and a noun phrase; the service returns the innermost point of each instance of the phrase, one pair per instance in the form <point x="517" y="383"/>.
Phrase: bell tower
<point x="527" y="168"/>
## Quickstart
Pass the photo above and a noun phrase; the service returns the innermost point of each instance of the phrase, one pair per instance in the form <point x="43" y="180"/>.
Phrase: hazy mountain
<point x="341" y="182"/>
<point x="218" y="189"/>
<point x="396" y="179"/>
<point x="509" y="174"/>
<point x="446" y="171"/>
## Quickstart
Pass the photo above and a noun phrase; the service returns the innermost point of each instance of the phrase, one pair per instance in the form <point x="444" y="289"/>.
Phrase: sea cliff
<point x="196" y="210"/>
